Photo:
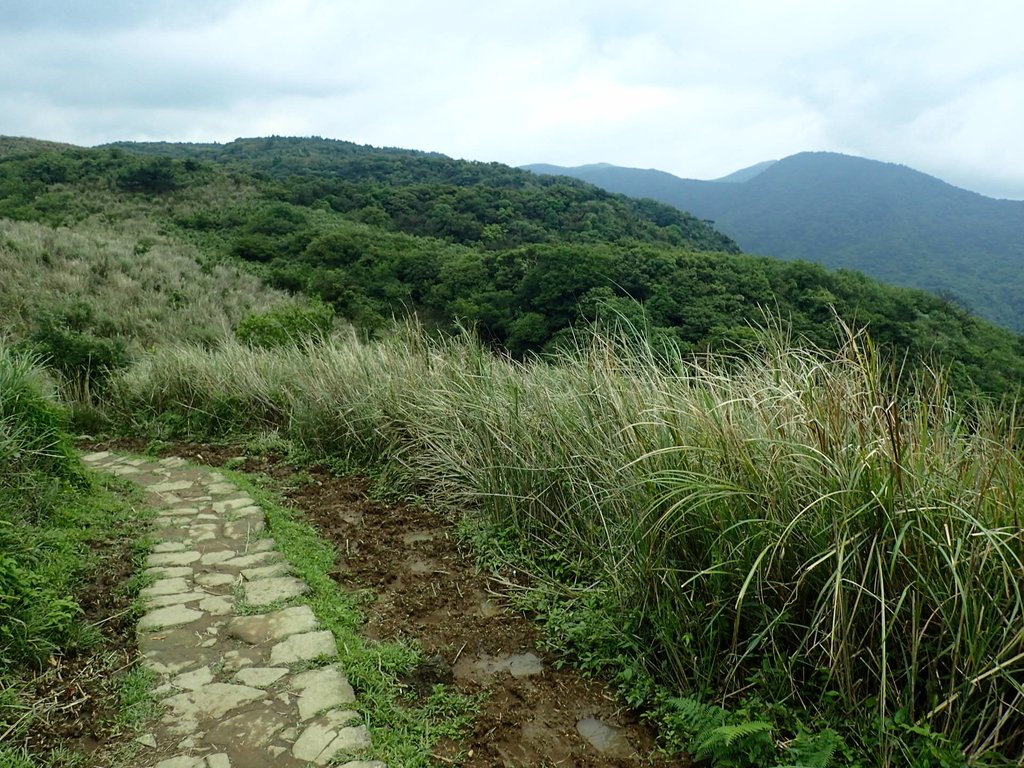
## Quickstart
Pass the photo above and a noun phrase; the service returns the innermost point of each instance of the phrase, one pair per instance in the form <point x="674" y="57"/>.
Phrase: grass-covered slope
<point x="792" y="533"/>
<point x="526" y="261"/>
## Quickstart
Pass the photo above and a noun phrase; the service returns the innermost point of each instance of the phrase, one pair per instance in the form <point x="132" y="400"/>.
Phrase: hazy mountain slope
<point x="887" y="220"/>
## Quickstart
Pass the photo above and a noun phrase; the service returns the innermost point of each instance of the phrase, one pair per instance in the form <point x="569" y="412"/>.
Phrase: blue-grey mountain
<point x="887" y="220"/>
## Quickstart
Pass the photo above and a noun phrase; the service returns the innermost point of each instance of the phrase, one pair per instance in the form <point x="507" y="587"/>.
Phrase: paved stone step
<point x="238" y="690"/>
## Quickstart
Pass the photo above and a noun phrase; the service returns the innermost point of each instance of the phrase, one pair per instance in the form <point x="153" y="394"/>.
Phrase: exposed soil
<point x="428" y="588"/>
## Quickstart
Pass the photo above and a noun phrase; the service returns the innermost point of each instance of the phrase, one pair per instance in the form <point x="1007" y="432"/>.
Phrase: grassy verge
<point x="61" y="665"/>
<point x="785" y="542"/>
<point x="404" y="729"/>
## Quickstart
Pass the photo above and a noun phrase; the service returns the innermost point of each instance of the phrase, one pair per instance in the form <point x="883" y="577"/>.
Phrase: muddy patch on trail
<point x="428" y="588"/>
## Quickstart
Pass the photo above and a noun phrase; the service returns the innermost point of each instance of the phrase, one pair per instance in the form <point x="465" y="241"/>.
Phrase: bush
<point x="286" y="326"/>
<point x="65" y="343"/>
<point x="36" y="465"/>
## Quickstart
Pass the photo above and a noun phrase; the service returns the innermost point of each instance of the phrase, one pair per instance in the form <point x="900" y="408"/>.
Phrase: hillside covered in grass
<point x="527" y="261"/>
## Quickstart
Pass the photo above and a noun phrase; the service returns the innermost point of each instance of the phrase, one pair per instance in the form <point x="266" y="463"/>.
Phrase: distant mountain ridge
<point x="890" y="221"/>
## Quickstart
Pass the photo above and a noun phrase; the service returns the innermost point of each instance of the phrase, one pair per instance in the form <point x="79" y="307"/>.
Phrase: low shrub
<point x="293" y="324"/>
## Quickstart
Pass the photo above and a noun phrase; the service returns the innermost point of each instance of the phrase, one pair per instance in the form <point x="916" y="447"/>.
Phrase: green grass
<point x="795" y="534"/>
<point x="52" y="513"/>
<point x="404" y="730"/>
<point x="149" y="293"/>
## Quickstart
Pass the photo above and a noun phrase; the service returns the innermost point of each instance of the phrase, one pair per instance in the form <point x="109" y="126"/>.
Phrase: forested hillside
<point x="379" y="234"/>
<point x="889" y="221"/>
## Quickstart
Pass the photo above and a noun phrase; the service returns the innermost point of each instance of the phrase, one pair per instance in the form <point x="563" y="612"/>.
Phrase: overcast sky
<point x="699" y="89"/>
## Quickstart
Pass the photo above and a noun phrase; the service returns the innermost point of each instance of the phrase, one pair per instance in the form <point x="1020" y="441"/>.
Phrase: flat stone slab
<point x="194" y="680"/>
<point x="170" y="546"/>
<point x="172" y="586"/>
<point x="171" y="485"/>
<point x="215" y="579"/>
<point x="248" y="561"/>
<point x="172" y="558"/>
<point x="212" y="558"/>
<point x="265" y="571"/>
<point x="321" y="689"/>
<point x="260" y="677"/>
<point x="267" y="591"/>
<point x="169" y="571"/>
<point x="273" y="626"/>
<point x="304" y="647"/>
<point x="171" y="616"/>
<point x="226" y="504"/>
<point x="183" y="761"/>
<point x="179" y="599"/>
<point x="329" y="735"/>
<point x="250" y="729"/>
<point x="211" y="701"/>
<point x="217" y="605"/>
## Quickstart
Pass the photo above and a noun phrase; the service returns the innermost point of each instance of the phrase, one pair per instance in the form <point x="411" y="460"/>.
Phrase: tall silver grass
<point x="794" y="522"/>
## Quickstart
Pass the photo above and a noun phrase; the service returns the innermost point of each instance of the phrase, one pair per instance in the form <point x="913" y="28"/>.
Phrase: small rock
<point x="147" y="740"/>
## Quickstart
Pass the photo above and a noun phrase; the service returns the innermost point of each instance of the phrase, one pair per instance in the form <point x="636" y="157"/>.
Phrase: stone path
<point x="241" y="688"/>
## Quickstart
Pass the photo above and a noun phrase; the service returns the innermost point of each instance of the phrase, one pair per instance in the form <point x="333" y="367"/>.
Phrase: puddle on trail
<point x="485" y="665"/>
<point x="418" y="537"/>
<point x="425" y="567"/>
<point x="489" y="609"/>
<point x="607" y="739"/>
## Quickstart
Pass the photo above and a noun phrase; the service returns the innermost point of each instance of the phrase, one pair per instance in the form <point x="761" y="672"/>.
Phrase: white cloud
<point x="695" y="89"/>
